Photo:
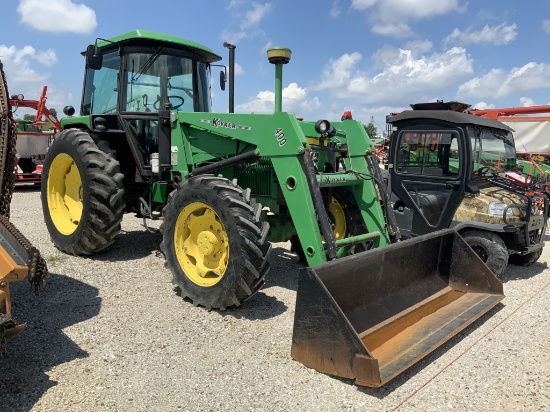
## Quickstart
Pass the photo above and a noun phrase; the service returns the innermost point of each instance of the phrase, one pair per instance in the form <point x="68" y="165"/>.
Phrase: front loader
<point x="226" y="185"/>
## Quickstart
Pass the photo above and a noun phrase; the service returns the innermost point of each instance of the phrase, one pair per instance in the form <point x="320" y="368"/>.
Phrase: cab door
<point x="429" y="174"/>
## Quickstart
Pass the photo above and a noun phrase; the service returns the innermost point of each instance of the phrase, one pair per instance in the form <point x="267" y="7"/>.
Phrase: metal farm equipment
<point x="19" y="259"/>
<point x="227" y="184"/>
<point x="32" y="141"/>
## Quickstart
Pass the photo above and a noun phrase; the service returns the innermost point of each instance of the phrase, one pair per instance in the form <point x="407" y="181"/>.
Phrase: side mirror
<point x="94" y="57"/>
<point x="223" y="79"/>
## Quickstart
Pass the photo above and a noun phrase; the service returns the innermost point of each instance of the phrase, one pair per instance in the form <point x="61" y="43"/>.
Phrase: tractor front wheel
<point x="345" y="219"/>
<point x="82" y="194"/>
<point x="214" y="242"/>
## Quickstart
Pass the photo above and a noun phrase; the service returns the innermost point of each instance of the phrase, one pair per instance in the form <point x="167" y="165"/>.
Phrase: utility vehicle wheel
<point x="490" y="248"/>
<point x="525" y="260"/>
<point x="82" y="194"/>
<point x="214" y="242"/>
<point x="345" y="218"/>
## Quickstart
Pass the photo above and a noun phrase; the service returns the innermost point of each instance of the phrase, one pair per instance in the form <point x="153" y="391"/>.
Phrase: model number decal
<point x="280" y="136"/>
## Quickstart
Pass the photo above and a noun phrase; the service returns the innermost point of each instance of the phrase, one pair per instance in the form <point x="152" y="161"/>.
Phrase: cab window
<point x="431" y="153"/>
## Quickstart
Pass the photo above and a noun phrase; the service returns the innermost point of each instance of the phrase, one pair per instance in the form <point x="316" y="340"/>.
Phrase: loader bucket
<point x="372" y="315"/>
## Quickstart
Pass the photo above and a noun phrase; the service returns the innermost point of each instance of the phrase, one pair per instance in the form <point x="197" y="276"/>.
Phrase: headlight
<point x="497" y="209"/>
<point x="322" y="126"/>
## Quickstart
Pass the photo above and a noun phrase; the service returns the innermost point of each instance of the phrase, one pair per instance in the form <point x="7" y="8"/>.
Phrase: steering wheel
<point x="156" y="105"/>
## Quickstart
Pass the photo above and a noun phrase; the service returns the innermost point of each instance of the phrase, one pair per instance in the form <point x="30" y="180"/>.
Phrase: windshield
<point x="493" y="150"/>
<point x="157" y="80"/>
<point x="153" y="80"/>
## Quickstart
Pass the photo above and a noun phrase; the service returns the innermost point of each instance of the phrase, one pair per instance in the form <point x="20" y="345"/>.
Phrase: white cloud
<point x="57" y="16"/>
<point x="419" y="46"/>
<point x="295" y="100"/>
<point x="335" y="10"/>
<point x="249" y="21"/>
<point x="233" y="37"/>
<point x="526" y="101"/>
<point x="239" y="71"/>
<point x="483" y="106"/>
<point x="17" y="63"/>
<point x="392" y="17"/>
<point x="362" y="4"/>
<point x="403" y="76"/>
<point x="546" y="25"/>
<point x="499" y="83"/>
<point x="338" y="73"/>
<point x="27" y="72"/>
<point x="498" y="35"/>
<point x="253" y="18"/>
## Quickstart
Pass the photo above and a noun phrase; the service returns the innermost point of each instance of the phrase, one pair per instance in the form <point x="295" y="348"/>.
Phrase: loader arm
<point x="283" y="139"/>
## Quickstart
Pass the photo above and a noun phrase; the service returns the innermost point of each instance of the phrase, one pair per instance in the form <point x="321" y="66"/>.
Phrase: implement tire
<point x="214" y="242"/>
<point x="82" y="194"/>
<point x="490" y="248"/>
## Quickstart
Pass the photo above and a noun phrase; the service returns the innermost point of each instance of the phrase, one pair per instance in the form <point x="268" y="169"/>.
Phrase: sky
<point x="371" y="57"/>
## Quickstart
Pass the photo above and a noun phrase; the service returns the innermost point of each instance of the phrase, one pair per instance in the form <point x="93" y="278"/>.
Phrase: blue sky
<point x="368" y="56"/>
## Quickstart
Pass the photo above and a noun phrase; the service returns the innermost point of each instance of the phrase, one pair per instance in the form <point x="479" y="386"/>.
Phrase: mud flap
<point x="372" y="315"/>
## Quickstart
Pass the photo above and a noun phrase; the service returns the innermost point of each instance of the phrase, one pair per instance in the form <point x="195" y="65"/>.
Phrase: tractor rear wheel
<point x="489" y="247"/>
<point x="82" y="194"/>
<point x="214" y="242"/>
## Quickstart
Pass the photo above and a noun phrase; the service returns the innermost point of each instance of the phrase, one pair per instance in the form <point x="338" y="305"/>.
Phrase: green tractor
<point x="226" y="185"/>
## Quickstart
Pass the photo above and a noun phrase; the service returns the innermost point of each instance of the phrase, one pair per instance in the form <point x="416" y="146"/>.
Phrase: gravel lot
<point x="110" y="333"/>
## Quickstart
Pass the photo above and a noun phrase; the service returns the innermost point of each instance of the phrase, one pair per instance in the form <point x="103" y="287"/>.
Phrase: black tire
<point x="525" y="260"/>
<point x="233" y="264"/>
<point x="489" y="247"/>
<point x="343" y="198"/>
<point x="97" y="189"/>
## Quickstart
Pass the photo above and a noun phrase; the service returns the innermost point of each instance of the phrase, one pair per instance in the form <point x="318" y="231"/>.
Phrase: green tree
<point x="29" y="117"/>
<point x="371" y="129"/>
<point x="53" y="112"/>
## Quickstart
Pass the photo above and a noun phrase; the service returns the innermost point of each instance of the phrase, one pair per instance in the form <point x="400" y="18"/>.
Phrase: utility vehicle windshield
<point x="493" y="150"/>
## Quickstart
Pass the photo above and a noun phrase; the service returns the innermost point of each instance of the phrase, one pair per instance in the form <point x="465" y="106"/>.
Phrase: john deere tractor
<point x="226" y="185"/>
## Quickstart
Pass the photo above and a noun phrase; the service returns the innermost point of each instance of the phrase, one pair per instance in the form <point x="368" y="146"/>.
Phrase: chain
<point x="38" y="269"/>
<point x="8" y="138"/>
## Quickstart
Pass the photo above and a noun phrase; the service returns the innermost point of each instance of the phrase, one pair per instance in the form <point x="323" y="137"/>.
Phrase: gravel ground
<point x="110" y="333"/>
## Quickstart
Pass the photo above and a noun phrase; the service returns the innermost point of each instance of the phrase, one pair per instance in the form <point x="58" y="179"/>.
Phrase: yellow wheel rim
<point x="337" y="219"/>
<point x="64" y="193"/>
<point x="201" y="244"/>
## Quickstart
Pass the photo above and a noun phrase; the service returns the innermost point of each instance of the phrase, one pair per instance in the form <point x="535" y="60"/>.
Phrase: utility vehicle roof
<point x="447" y="116"/>
<point x="146" y="37"/>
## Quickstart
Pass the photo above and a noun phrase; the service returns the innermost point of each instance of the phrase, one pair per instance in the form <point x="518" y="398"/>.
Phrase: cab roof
<point x="147" y="37"/>
<point x="447" y="116"/>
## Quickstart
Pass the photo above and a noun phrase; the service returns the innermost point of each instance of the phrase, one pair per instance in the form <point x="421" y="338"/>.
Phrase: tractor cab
<point x="133" y="81"/>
